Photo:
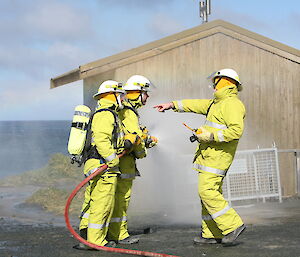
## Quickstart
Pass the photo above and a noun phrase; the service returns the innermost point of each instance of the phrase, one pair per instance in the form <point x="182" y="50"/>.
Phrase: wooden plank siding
<point x="271" y="87"/>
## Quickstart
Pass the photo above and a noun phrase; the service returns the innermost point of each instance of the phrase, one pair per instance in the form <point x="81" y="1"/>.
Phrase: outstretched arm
<point x="163" y="107"/>
<point x="186" y="105"/>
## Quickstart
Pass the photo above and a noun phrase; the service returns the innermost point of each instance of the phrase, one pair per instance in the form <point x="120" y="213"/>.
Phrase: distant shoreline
<point x="30" y="143"/>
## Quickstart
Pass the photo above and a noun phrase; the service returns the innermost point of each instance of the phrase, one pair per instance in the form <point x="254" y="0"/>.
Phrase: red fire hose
<point x="98" y="247"/>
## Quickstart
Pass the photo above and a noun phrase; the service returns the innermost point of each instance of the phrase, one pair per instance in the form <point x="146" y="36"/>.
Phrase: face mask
<point x="223" y="82"/>
<point x="133" y="95"/>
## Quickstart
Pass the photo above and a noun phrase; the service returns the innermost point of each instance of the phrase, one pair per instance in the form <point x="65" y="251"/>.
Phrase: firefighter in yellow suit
<point x="136" y="89"/>
<point x="218" y="140"/>
<point x="106" y="143"/>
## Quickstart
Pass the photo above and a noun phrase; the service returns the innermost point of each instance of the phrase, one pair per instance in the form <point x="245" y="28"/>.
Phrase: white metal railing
<point x="296" y="153"/>
<point x="254" y="174"/>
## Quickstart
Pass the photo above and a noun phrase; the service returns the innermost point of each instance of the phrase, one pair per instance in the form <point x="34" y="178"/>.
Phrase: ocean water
<point x="27" y="145"/>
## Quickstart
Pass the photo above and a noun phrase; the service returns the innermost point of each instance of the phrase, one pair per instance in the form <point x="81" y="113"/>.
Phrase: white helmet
<point x="109" y="86"/>
<point x="137" y="82"/>
<point x="228" y="73"/>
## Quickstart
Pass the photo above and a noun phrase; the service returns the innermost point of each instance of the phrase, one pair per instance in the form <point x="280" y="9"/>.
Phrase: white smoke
<point x="167" y="189"/>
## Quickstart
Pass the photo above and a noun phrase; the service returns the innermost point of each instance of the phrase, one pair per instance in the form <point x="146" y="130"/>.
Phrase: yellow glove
<point x="205" y="135"/>
<point x="144" y="129"/>
<point x="145" y="132"/>
<point x="151" y="141"/>
<point x="130" y="140"/>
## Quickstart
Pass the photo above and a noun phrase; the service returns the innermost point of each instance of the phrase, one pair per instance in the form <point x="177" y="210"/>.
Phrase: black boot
<point x="82" y="246"/>
<point x="83" y="233"/>
<point x="202" y="240"/>
<point x="232" y="236"/>
<point x="129" y="240"/>
<point x="110" y="244"/>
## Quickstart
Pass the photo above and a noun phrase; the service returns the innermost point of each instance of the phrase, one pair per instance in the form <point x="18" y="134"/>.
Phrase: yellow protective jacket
<point x="130" y="122"/>
<point x="107" y="136"/>
<point x="225" y="119"/>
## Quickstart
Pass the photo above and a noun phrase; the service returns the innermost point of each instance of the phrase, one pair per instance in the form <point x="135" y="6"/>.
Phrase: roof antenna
<point x="205" y="10"/>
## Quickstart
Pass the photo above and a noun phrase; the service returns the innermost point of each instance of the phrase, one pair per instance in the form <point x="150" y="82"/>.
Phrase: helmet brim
<point x="96" y="96"/>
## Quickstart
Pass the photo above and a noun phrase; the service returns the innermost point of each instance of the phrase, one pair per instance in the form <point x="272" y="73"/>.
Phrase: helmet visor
<point x="211" y="80"/>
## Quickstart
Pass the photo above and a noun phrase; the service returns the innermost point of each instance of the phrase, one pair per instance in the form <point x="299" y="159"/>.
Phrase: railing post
<point x="278" y="175"/>
<point x="297" y="169"/>
<point x="257" y="191"/>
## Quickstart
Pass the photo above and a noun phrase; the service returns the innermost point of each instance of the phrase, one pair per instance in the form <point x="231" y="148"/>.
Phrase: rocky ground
<point x="27" y="231"/>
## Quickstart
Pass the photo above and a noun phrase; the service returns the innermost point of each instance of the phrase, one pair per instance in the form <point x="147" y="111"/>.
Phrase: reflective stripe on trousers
<point x="127" y="175"/>
<point x="124" y="218"/>
<point x="86" y="216"/>
<point x="217" y="214"/>
<point x="98" y="226"/>
<point x="209" y="169"/>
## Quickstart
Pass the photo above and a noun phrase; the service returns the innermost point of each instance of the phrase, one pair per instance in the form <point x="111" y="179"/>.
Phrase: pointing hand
<point x="163" y="107"/>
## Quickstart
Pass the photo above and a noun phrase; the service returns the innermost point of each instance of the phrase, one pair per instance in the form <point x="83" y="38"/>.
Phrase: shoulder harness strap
<point x="132" y="109"/>
<point x="88" y="149"/>
<point x="115" y="123"/>
<point x="209" y="108"/>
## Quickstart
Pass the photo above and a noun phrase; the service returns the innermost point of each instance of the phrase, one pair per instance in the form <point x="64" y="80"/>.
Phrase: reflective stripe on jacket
<point x="225" y="119"/>
<point x="130" y="121"/>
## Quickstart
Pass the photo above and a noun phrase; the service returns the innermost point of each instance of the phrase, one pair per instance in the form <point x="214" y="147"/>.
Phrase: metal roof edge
<point x="78" y="74"/>
<point x="65" y="78"/>
<point x="261" y="38"/>
<point x="151" y="45"/>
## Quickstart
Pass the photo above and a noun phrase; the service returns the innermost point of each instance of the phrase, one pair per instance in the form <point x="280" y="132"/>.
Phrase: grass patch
<point x="56" y="180"/>
<point x="53" y="200"/>
<point x="58" y="170"/>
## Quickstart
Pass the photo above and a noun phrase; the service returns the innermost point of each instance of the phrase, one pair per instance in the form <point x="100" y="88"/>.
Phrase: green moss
<point x="57" y="179"/>
<point x="54" y="200"/>
<point x="58" y="170"/>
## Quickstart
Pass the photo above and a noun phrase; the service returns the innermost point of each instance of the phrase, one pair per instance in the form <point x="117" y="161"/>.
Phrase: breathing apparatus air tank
<point x="78" y="133"/>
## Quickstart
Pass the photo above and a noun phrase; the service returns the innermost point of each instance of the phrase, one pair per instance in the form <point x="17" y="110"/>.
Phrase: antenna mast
<point x="205" y="10"/>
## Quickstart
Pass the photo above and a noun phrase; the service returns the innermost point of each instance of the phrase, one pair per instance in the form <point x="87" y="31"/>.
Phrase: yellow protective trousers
<point x="98" y="207"/>
<point x="218" y="218"/>
<point x="118" y="229"/>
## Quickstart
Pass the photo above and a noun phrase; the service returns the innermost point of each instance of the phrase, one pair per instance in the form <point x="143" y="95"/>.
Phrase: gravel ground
<point x="273" y="230"/>
<point x="277" y="240"/>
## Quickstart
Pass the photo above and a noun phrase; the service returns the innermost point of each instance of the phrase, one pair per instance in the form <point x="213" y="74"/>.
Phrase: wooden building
<point x="179" y="65"/>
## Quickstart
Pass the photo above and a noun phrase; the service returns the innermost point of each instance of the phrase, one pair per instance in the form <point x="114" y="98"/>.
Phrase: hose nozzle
<point x="196" y="132"/>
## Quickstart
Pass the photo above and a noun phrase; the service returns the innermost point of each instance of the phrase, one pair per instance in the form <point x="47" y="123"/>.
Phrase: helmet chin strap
<point x="137" y="102"/>
<point x="119" y="102"/>
<point x="141" y="97"/>
<point x="215" y="84"/>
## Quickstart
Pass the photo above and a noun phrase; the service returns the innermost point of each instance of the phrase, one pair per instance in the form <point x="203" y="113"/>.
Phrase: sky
<point x="43" y="39"/>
